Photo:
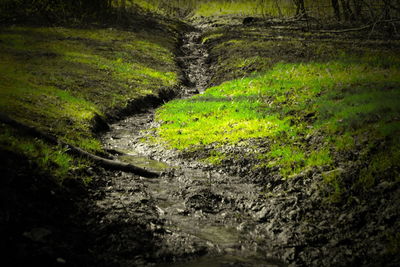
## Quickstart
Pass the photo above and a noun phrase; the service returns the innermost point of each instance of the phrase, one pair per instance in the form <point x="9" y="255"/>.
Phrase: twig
<point x="360" y="28"/>
<point x="374" y="24"/>
<point x="347" y="30"/>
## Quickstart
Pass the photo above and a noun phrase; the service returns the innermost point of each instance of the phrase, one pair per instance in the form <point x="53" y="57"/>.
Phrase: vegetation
<point x="261" y="105"/>
<point x="62" y="80"/>
<point x="79" y="10"/>
<point x="53" y="11"/>
<point x="344" y="10"/>
<point x="44" y="158"/>
<point x="315" y="106"/>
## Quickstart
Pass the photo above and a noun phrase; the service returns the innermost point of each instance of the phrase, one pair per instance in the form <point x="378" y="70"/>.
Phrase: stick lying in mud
<point x="106" y="163"/>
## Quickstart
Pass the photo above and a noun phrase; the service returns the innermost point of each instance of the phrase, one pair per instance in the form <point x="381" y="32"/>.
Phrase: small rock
<point x="37" y="234"/>
<point x="61" y="261"/>
<point x="262" y="214"/>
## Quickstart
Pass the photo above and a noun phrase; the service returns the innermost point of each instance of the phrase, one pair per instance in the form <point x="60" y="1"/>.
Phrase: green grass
<point x="59" y="79"/>
<point x="217" y="8"/>
<point x="334" y="181"/>
<point x="52" y="160"/>
<point x="307" y="114"/>
<point x="320" y="9"/>
<point x="111" y="66"/>
<point x="151" y="6"/>
<point x="316" y="8"/>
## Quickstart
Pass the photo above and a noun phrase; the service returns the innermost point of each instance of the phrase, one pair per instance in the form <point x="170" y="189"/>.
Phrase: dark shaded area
<point x="53" y="11"/>
<point x="41" y="221"/>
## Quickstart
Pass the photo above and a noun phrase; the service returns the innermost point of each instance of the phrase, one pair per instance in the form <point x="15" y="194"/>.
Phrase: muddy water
<point x="200" y="217"/>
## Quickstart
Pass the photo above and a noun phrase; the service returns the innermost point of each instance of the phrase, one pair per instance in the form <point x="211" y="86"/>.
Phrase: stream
<point x="192" y="215"/>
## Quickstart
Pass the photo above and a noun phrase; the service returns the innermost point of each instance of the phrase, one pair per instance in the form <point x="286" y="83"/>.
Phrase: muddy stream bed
<point x="192" y="215"/>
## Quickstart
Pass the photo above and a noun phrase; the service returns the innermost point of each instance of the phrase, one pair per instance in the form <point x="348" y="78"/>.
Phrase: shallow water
<point x="144" y="162"/>
<point x="224" y="261"/>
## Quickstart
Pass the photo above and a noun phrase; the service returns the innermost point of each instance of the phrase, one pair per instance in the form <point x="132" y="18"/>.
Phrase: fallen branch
<point x="347" y="30"/>
<point x="359" y="28"/>
<point x="106" y="163"/>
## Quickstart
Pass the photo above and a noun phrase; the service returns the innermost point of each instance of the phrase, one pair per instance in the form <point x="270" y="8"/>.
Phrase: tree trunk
<point x="300" y="8"/>
<point x="347" y="12"/>
<point x="386" y="9"/>
<point x="336" y="9"/>
<point x="357" y="9"/>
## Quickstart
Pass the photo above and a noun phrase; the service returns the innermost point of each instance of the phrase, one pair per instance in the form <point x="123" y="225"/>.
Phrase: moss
<point x="215" y="158"/>
<point x="384" y="164"/>
<point x="335" y="185"/>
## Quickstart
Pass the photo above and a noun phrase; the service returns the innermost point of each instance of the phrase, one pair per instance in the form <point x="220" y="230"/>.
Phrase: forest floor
<point x="327" y="106"/>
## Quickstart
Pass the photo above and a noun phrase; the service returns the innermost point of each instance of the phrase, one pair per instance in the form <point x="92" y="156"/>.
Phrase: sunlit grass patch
<point x="251" y="50"/>
<point x="111" y="58"/>
<point x="225" y="8"/>
<point x="202" y="121"/>
<point x="152" y="6"/>
<point x="289" y="159"/>
<point x="122" y="70"/>
<point x="333" y="103"/>
<point x="211" y="37"/>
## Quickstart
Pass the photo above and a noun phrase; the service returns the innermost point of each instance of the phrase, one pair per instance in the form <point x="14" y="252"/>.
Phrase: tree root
<point x="73" y="150"/>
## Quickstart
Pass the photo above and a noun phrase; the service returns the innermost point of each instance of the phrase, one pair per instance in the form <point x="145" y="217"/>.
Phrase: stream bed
<point x="195" y="215"/>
